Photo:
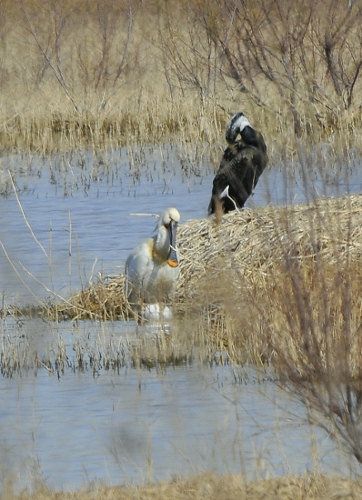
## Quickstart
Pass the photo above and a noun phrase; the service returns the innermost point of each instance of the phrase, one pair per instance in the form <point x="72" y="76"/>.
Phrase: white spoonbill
<point x="152" y="268"/>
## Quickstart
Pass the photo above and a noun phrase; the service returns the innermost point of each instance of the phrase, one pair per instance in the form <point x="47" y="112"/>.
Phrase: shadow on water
<point x="73" y="218"/>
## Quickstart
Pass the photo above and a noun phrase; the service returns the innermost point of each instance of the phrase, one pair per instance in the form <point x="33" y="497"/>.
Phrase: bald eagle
<point x="242" y="164"/>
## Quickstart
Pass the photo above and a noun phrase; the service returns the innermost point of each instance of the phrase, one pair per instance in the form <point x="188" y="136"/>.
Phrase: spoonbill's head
<point x="167" y="225"/>
<point x="169" y="215"/>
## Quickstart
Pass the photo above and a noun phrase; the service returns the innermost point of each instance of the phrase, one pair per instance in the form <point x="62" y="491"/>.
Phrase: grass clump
<point x="103" y="300"/>
<point x="250" y="248"/>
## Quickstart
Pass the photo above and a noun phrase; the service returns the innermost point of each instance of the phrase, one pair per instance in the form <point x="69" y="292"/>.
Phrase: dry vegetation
<point x="106" y="73"/>
<point x="214" y="487"/>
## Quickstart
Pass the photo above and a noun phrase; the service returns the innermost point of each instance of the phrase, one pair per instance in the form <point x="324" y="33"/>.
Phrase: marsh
<point x="113" y="110"/>
<point x="112" y="416"/>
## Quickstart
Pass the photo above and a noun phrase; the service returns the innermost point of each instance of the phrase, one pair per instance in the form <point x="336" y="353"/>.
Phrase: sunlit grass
<point x="86" y="74"/>
<point x="213" y="487"/>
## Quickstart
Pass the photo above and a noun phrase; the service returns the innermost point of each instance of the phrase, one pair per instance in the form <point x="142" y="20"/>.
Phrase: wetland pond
<point x="73" y="218"/>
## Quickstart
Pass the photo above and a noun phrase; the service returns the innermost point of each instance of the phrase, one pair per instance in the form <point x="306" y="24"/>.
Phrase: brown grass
<point x="248" y="248"/>
<point x="215" y="487"/>
<point x="105" y="300"/>
<point x="98" y="74"/>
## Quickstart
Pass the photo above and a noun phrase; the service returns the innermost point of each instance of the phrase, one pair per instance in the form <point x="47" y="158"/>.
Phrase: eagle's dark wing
<point x="240" y="169"/>
<point x="241" y="166"/>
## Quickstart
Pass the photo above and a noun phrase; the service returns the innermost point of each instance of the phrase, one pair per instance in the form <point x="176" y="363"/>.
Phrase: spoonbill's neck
<point x="162" y="243"/>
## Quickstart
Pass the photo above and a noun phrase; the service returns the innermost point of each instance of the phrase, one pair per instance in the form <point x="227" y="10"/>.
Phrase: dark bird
<point x="242" y="164"/>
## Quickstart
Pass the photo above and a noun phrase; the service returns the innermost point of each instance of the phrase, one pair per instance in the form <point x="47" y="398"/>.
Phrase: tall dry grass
<point x="106" y="73"/>
<point x="214" y="487"/>
<point x="282" y="287"/>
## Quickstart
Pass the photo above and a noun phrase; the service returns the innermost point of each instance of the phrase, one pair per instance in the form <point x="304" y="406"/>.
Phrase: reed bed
<point x="246" y="247"/>
<point x="260" y="285"/>
<point x="98" y="74"/>
<point x="253" y="243"/>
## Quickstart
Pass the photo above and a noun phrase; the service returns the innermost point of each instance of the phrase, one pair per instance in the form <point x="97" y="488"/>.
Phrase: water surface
<point x="140" y="425"/>
<point x="73" y="218"/>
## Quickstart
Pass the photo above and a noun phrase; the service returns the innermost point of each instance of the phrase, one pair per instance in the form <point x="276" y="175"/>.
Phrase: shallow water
<point x="73" y="218"/>
<point x="140" y="425"/>
<point x="137" y="427"/>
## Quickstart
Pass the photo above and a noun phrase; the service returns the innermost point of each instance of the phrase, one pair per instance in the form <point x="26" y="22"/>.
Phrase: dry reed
<point x="215" y="487"/>
<point x="100" y="74"/>
<point x="247" y="247"/>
